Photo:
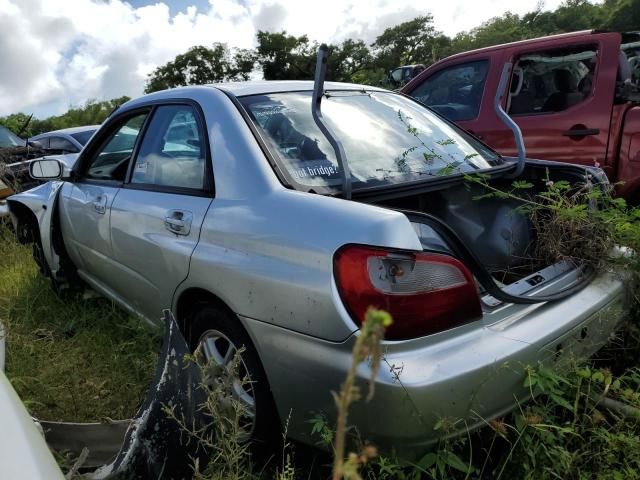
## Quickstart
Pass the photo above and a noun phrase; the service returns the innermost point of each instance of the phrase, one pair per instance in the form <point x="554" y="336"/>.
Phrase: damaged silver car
<point x="271" y="215"/>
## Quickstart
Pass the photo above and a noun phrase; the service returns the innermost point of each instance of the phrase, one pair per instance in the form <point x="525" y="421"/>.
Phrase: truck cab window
<point x="548" y="82"/>
<point x="455" y="91"/>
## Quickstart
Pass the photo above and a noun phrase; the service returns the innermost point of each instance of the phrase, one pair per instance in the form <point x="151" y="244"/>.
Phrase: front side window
<point x="111" y="160"/>
<point x="553" y="81"/>
<point x="172" y="151"/>
<point x="455" y="91"/>
<point x="387" y="138"/>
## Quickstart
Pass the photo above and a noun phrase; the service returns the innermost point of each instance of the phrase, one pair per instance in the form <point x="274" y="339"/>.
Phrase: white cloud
<point x="58" y="53"/>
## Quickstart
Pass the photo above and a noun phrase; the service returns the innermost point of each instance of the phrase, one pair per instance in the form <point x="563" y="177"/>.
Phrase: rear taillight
<point x="424" y="292"/>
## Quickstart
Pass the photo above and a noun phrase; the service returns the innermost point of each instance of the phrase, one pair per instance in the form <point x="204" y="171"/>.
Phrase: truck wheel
<point x="219" y="335"/>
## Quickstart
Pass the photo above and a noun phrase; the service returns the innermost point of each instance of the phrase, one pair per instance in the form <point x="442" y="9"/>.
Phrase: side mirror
<point x="34" y="144"/>
<point x="45" y="169"/>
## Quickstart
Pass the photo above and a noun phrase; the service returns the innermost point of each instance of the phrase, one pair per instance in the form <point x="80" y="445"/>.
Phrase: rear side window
<point x="552" y="81"/>
<point x="172" y="150"/>
<point x="61" y="143"/>
<point x="396" y="75"/>
<point x="111" y="160"/>
<point x="42" y="142"/>
<point x="455" y="91"/>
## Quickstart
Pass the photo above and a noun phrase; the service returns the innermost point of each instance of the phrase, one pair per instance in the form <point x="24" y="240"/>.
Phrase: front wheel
<point x="219" y="335"/>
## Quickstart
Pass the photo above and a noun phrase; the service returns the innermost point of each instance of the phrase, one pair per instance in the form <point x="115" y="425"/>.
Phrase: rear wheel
<point x="219" y="335"/>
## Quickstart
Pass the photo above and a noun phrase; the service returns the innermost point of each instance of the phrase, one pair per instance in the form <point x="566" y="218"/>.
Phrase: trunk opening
<point x="492" y="237"/>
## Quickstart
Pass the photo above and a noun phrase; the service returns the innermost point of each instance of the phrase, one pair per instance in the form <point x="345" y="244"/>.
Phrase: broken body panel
<point x="151" y="445"/>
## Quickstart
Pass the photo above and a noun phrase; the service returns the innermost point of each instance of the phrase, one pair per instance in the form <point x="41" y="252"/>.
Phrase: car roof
<point x="530" y="41"/>
<point x="240" y="89"/>
<point x="69" y="130"/>
<point x="251" y="87"/>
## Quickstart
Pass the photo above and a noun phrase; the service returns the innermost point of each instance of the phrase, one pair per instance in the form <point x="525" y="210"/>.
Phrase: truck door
<point x="561" y="95"/>
<point x="460" y="90"/>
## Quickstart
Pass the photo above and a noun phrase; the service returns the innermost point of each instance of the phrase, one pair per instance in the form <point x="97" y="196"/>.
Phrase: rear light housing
<point x="424" y="292"/>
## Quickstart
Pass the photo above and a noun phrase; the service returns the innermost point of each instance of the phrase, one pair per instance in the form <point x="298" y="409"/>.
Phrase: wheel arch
<point x="25" y="222"/>
<point x="193" y="298"/>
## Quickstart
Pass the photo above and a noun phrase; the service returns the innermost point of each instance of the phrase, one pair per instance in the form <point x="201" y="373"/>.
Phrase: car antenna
<point x="508" y="121"/>
<point x="24" y="127"/>
<point x="318" y="93"/>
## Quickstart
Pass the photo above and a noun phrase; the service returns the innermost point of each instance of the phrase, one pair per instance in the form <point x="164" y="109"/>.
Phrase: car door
<point x="85" y="205"/>
<point x="561" y="97"/>
<point x="157" y="215"/>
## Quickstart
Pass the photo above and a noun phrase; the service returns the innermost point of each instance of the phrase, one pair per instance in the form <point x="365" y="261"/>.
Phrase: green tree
<point x="18" y="123"/>
<point x="407" y="43"/>
<point x="201" y="65"/>
<point x="349" y="61"/>
<point x="285" y="57"/>
<point x="91" y="113"/>
<point x="621" y="15"/>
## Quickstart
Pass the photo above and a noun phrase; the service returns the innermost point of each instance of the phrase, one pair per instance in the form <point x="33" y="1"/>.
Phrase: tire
<point x="64" y="290"/>
<point x="211" y="321"/>
<point x="39" y="258"/>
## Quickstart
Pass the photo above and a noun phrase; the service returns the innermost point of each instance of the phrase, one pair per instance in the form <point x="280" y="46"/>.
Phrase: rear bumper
<point x="470" y="374"/>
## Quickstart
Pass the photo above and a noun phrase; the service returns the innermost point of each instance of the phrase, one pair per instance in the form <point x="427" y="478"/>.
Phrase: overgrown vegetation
<point x="281" y="56"/>
<point x="75" y="360"/>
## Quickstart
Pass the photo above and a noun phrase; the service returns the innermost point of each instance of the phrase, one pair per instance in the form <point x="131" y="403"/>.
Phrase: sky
<point x="56" y="54"/>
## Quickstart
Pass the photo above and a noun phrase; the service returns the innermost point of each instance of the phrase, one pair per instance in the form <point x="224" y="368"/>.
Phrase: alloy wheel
<point x="219" y="351"/>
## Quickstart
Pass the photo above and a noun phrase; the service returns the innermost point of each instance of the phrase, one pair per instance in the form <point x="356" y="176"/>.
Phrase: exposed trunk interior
<point x="493" y="229"/>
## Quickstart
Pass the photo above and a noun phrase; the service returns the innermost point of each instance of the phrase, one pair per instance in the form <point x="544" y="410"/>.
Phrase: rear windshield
<point x="387" y="138"/>
<point x="9" y="139"/>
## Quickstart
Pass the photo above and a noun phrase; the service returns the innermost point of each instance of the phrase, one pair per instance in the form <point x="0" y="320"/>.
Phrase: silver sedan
<point x="230" y="205"/>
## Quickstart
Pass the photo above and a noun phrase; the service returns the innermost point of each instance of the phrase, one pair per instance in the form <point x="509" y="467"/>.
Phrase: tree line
<point x="286" y="57"/>
<point x="280" y="56"/>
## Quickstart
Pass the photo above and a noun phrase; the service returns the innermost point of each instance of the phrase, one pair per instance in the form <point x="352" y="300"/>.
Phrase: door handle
<point x="178" y="222"/>
<point x="100" y="204"/>
<point x="581" y="132"/>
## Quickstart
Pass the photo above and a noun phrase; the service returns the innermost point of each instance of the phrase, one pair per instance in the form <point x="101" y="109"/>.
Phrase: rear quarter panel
<point x="271" y="258"/>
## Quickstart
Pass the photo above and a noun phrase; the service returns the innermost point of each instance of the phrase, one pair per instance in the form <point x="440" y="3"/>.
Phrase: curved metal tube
<point x="513" y="126"/>
<point x="318" y="93"/>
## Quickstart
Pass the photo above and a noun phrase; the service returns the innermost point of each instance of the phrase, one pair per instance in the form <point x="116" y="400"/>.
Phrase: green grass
<point x="74" y="360"/>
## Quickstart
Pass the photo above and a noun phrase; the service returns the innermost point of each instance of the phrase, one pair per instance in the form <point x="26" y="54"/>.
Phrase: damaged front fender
<point x="152" y="444"/>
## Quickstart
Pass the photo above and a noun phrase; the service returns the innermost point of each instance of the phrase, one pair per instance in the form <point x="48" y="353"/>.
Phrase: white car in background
<point x="24" y="454"/>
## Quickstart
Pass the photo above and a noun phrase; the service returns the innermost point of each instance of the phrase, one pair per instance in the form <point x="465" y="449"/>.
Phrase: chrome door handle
<point x="178" y="222"/>
<point x="100" y="204"/>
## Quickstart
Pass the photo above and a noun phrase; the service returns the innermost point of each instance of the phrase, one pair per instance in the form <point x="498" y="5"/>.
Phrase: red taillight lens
<point x="424" y="292"/>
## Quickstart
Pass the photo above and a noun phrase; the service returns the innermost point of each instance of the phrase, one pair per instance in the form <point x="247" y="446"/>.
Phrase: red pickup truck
<point x="575" y="97"/>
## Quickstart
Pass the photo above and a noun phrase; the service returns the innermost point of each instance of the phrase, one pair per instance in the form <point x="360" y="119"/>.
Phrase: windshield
<point x="84" y="136"/>
<point x="9" y="139"/>
<point x="387" y="138"/>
